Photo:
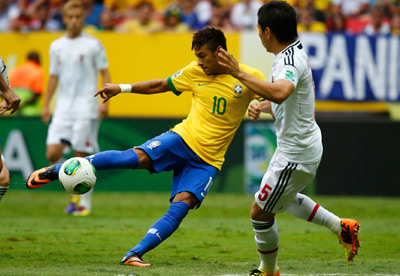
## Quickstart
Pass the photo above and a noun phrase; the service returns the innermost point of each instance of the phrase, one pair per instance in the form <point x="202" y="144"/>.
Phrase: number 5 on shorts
<point x="264" y="193"/>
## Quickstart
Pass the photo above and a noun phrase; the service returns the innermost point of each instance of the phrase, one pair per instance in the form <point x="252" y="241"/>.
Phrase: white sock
<point x="305" y="208"/>
<point x="86" y="200"/>
<point x="267" y="241"/>
<point x="3" y="190"/>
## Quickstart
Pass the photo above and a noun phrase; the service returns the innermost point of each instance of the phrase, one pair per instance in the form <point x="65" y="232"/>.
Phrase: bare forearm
<point x="270" y="91"/>
<point x="11" y="99"/>
<point x="266" y="107"/>
<point x="150" y="87"/>
<point x="4" y="87"/>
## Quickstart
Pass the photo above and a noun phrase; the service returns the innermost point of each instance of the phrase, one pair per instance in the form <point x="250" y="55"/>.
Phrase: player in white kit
<point x="9" y="101"/>
<point x="75" y="62"/>
<point x="290" y="99"/>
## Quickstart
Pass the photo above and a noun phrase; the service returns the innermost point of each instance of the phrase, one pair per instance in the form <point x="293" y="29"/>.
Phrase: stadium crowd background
<point x="146" y="16"/>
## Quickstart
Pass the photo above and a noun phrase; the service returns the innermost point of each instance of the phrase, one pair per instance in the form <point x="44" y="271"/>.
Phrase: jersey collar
<point x="295" y="43"/>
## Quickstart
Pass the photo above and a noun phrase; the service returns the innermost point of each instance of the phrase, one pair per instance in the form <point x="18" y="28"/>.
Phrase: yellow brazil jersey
<point x="219" y="103"/>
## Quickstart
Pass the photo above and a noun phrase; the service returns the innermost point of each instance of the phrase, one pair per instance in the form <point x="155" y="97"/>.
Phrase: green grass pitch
<point x="36" y="238"/>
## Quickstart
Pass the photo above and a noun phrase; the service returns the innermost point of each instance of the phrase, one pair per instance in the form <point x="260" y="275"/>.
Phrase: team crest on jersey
<point x="238" y="90"/>
<point x="154" y="144"/>
<point x="177" y="74"/>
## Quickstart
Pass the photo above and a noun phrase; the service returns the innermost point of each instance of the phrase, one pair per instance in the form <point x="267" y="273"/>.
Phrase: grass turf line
<point x="36" y="238"/>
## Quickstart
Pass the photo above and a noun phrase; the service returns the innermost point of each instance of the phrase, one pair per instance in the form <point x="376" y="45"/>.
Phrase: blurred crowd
<point x="150" y="16"/>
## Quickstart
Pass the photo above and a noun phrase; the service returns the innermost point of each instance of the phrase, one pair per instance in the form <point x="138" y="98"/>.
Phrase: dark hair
<point x="211" y="37"/>
<point x="281" y="18"/>
<point x="34" y="56"/>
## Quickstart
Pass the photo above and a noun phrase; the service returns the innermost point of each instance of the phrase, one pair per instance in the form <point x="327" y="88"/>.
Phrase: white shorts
<point x="282" y="181"/>
<point x="81" y="134"/>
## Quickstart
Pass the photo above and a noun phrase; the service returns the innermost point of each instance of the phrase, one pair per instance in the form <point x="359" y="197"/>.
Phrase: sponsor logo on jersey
<point x="177" y="74"/>
<point x="154" y="144"/>
<point x="289" y="75"/>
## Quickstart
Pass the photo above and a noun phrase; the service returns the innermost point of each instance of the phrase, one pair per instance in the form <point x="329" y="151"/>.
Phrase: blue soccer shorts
<point x="169" y="152"/>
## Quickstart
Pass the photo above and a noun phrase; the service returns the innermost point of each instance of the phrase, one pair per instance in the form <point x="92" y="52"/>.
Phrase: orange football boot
<point x="348" y="237"/>
<point x="134" y="260"/>
<point x="40" y="177"/>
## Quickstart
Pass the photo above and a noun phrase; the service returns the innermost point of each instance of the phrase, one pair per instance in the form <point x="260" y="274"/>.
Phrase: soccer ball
<point x="77" y="176"/>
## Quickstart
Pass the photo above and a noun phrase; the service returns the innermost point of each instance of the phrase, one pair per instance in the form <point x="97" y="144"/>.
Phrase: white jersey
<point x="298" y="135"/>
<point x="77" y="63"/>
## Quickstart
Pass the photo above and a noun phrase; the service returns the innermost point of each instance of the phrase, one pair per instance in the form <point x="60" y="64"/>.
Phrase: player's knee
<point x="254" y="213"/>
<point x="187" y="197"/>
<point x="192" y="202"/>
<point x="2" y="165"/>
<point x="4" y="181"/>
<point x="257" y="213"/>
<point x="144" y="160"/>
<point x="4" y="177"/>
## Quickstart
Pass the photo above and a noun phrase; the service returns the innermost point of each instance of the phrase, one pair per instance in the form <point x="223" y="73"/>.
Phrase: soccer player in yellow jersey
<point x="194" y="149"/>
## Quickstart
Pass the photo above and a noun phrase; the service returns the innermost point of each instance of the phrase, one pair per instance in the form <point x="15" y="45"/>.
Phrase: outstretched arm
<point x="148" y="87"/>
<point x="275" y="92"/>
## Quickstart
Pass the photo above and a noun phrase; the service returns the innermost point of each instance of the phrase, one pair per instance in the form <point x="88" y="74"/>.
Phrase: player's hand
<point x="226" y="60"/>
<point x="3" y="107"/>
<point x="267" y="108"/>
<point x="254" y="111"/>
<point x="45" y="115"/>
<point x="12" y="100"/>
<point x="108" y="91"/>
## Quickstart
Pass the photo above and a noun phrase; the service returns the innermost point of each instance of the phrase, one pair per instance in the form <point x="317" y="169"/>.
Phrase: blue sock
<point x="162" y="229"/>
<point x="58" y="167"/>
<point x="111" y="159"/>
